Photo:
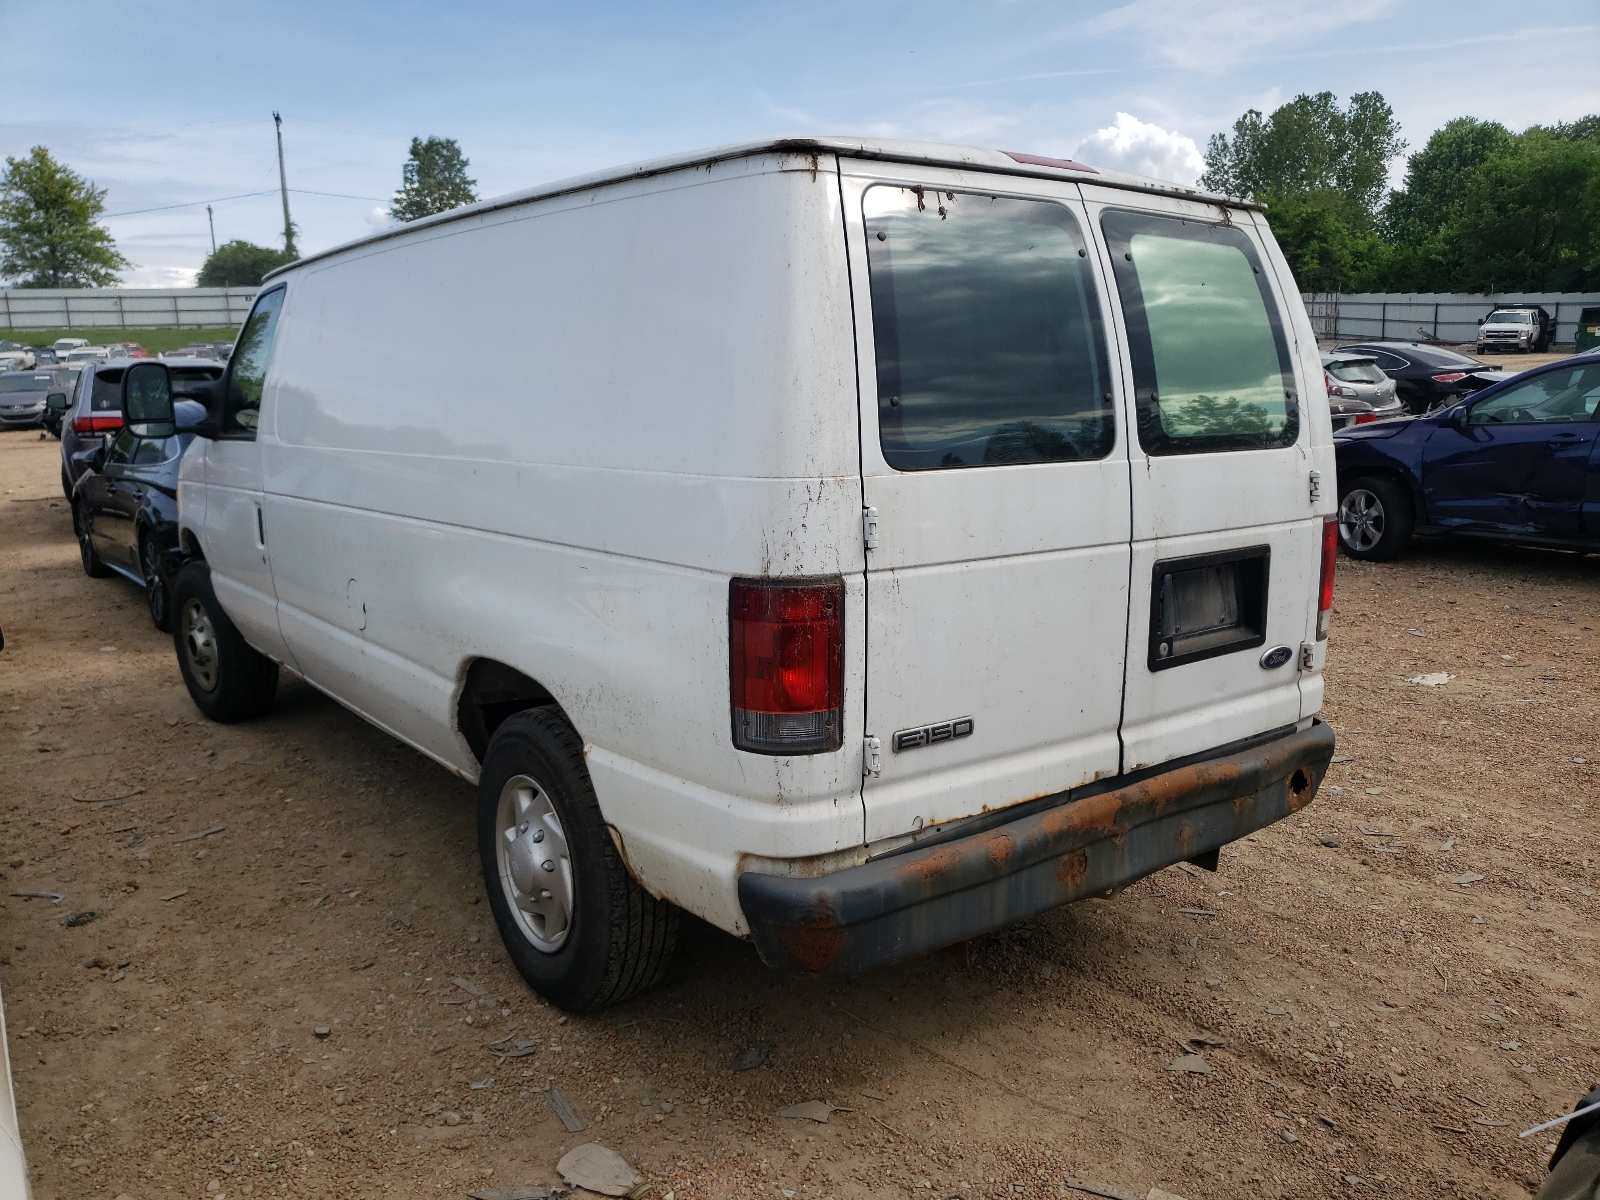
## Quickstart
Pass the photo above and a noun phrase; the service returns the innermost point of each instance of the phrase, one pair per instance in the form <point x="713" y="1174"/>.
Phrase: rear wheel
<point x="583" y="933"/>
<point x="1375" y="519"/>
<point x="227" y="679"/>
<point x="92" y="566"/>
<point x="156" y="595"/>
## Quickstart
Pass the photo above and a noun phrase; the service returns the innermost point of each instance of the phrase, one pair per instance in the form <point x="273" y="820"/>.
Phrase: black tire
<point x="157" y="597"/>
<point x="617" y="939"/>
<point x="227" y="679"/>
<point x="92" y="566"/>
<point x="1375" y="519"/>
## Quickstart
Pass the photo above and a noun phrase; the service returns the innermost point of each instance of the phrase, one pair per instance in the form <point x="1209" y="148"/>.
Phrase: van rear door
<point x="1227" y="537"/>
<point x="995" y="484"/>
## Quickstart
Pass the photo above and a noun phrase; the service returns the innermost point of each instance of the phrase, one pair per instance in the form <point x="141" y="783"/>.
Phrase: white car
<point x="65" y="346"/>
<point x="877" y="544"/>
<point x="17" y="357"/>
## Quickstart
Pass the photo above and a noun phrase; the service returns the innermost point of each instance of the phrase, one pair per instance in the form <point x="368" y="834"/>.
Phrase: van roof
<point x="970" y="158"/>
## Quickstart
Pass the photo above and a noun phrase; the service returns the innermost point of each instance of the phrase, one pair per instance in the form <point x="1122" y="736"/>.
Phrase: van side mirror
<point x="56" y="402"/>
<point x="147" y="394"/>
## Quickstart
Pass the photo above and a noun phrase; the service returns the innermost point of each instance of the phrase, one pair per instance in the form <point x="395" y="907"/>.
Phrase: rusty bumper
<point x="911" y="902"/>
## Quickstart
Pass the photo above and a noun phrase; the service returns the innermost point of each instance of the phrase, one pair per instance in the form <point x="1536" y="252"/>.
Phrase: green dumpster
<point x="1588" y="329"/>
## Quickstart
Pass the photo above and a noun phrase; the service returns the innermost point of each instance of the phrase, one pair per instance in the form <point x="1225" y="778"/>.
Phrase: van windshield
<point x="988" y="335"/>
<point x="1211" y="364"/>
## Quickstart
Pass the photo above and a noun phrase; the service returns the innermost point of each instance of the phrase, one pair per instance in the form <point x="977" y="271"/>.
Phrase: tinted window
<point x="107" y="394"/>
<point x="1211" y="364"/>
<point x="987" y="332"/>
<point x="1356" y="372"/>
<point x="1554" y="397"/>
<point x="121" y="448"/>
<point x="1433" y="356"/>
<point x="249" y="367"/>
<point x="1510" y="318"/>
<point x="152" y="450"/>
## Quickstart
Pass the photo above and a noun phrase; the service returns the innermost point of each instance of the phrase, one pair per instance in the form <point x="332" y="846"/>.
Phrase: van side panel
<point x="672" y="404"/>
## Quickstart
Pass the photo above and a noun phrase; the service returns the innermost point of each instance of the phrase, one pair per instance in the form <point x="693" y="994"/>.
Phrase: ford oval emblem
<point x="1276" y="657"/>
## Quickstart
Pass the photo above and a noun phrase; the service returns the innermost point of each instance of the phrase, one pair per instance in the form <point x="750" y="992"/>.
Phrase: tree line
<point x="51" y="235"/>
<point x="1481" y="209"/>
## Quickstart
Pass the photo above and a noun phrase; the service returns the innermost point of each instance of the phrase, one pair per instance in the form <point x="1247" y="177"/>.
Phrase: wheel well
<point x="1398" y="478"/>
<point x="190" y="545"/>
<point x="492" y="692"/>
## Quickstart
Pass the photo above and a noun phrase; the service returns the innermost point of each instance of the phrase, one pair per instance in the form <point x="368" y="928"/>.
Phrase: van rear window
<point x="989" y="342"/>
<point x="1211" y="365"/>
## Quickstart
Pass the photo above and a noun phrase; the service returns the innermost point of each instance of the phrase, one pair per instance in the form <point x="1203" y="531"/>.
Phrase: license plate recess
<point x="1207" y="605"/>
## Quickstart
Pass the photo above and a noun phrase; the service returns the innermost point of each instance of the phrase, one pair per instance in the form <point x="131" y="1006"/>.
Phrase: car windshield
<point x="11" y="382"/>
<point x="1359" y="370"/>
<point x="1510" y="318"/>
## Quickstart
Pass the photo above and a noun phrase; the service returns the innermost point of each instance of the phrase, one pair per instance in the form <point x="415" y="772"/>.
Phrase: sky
<point x="168" y="104"/>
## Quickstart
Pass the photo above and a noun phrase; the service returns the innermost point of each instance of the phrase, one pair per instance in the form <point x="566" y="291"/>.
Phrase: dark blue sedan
<point x="125" y="504"/>
<point x="1517" y="461"/>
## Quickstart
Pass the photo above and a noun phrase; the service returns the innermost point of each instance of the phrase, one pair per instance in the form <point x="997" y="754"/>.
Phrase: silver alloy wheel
<point x="534" y="863"/>
<point x="200" y="645"/>
<point x="1360" y="520"/>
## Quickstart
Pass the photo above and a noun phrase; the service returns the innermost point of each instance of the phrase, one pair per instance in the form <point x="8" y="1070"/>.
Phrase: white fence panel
<point x="1433" y="316"/>
<point x="124" y="308"/>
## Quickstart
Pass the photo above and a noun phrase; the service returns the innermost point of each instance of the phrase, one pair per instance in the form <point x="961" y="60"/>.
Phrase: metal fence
<point x="124" y="308"/>
<point x="1433" y="316"/>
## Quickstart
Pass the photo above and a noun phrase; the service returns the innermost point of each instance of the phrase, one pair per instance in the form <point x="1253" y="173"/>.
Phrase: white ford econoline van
<point x="871" y="544"/>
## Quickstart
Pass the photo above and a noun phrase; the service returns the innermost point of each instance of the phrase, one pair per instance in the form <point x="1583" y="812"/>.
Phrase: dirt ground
<point x="272" y="1010"/>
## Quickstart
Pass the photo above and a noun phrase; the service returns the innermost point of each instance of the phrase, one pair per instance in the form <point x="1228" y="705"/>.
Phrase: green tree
<point x="1310" y="146"/>
<point x="1529" y="219"/>
<point x="240" y="264"/>
<point x="48" y="234"/>
<point x="1435" y="175"/>
<point x="434" y="180"/>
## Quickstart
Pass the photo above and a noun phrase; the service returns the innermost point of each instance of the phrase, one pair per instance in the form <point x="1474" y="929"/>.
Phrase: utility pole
<point x="212" y="221"/>
<point x="283" y="183"/>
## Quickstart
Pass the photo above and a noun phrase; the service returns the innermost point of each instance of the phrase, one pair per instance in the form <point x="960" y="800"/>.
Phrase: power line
<point x="242" y="196"/>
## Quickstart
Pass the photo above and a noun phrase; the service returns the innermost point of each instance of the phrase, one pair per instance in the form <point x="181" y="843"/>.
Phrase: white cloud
<point x="159" y="277"/>
<point x="1132" y="145"/>
<point x="378" y="219"/>
<point x="1201" y="36"/>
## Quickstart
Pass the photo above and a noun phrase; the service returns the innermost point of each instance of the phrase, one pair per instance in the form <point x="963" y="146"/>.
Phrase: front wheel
<point x="227" y="679"/>
<point x="578" y="927"/>
<point x="1375" y="519"/>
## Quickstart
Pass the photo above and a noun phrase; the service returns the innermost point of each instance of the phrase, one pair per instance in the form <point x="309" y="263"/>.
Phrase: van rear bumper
<point x="908" y="903"/>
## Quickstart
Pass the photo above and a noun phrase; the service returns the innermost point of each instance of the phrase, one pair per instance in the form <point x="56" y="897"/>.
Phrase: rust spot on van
<point x="1072" y="869"/>
<point x="922" y="203"/>
<point x="813" y="948"/>
<point x="1299" y="789"/>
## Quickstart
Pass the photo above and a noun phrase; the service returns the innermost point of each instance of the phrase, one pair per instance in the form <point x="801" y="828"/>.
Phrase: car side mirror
<point x="147" y="394"/>
<point x="96" y="458"/>
<point x="56" y="402"/>
<point x="209" y="393"/>
<point x="1481" y="320"/>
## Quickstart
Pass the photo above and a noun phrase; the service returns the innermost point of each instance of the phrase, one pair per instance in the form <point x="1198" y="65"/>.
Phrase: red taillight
<point x="787" y="665"/>
<point x="1337" y="389"/>
<point x="1363" y="418"/>
<point x="1330" y="556"/>
<point x="96" y="424"/>
<point x="1449" y="376"/>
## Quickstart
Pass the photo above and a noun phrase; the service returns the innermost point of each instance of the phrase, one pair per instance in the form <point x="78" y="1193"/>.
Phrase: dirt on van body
<point x="271" y="973"/>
